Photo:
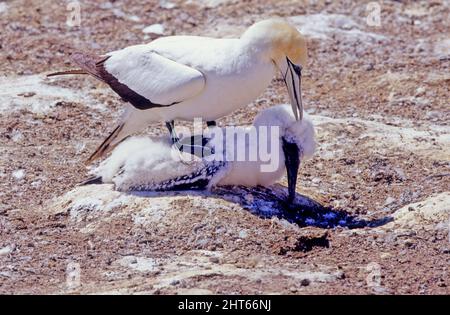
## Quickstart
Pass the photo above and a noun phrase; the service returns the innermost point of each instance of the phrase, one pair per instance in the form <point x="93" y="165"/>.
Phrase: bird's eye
<point x="297" y="69"/>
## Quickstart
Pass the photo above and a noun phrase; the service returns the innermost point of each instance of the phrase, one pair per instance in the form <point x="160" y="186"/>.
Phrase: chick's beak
<point x="292" y="76"/>
<point x="292" y="162"/>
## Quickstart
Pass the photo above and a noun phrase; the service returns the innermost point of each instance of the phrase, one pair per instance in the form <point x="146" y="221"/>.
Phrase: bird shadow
<point x="267" y="203"/>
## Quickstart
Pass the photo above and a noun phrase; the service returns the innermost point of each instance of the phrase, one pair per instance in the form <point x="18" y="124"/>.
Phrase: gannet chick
<point x="187" y="77"/>
<point x="280" y="141"/>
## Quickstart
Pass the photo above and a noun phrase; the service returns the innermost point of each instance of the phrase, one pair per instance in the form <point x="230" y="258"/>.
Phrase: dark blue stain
<point x="303" y="211"/>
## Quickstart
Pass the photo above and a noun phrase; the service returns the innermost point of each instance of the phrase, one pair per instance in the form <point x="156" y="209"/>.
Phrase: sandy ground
<point x="378" y="96"/>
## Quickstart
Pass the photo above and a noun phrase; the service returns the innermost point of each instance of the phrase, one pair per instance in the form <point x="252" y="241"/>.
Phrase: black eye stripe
<point x="295" y="91"/>
<point x="285" y="74"/>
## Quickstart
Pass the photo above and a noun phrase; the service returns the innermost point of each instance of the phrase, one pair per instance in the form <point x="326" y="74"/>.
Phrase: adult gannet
<point x="281" y="141"/>
<point x="187" y="77"/>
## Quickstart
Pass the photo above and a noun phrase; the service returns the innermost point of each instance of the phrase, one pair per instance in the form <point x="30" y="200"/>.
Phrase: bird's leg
<point x="195" y="145"/>
<point x="183" y="145"/>
<point x="173" y="135"/>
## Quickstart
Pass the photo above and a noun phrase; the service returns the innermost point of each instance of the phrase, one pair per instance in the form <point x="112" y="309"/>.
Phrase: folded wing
<point x="147" y="79"/>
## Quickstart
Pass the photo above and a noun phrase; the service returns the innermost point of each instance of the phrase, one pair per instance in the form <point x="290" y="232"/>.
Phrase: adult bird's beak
<point x="292" y="76"/>
<point x="292" y="161"/>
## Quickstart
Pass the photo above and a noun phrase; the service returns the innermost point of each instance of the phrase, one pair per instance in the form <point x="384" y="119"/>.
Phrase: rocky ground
<point x="379" y="98"/>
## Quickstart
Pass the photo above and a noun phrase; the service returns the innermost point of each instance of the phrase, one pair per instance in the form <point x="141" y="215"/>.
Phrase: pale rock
<point x="157" y="29"/>
<point x="6" y="250"/>
<point x="32" y="92"/>
<point x="3" y="7"/>
<point x="429" y="213"/>
<point x="165" y="4"/>
<point x="18" y="174"/>
<point x="141" y="264"/>
<point x="389" y="200"/>
<point x="208" y="3"/>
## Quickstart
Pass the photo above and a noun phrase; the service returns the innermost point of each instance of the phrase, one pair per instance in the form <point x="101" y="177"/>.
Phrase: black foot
<point x="195" y="145"/>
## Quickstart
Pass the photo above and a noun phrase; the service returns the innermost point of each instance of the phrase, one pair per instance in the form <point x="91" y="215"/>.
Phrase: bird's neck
<point x="257" y="49"/>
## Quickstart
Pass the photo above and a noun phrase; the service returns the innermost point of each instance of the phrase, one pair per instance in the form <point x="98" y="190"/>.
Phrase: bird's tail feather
<point x="108" y="144"/>
<point x="88" y="63"/>
<point x="74" y="71"/>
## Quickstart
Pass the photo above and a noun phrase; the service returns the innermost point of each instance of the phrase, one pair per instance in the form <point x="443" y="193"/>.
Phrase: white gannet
<point x="142" y="163"/>
<point x="187" y="77"/>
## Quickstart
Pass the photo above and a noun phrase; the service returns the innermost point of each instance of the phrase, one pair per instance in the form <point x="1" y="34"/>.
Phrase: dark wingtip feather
<point x="93" y="180"/>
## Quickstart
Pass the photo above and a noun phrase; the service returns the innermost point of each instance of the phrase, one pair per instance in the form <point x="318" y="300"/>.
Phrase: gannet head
<point x="297" y="139"/>
<point x="282" y="44"/>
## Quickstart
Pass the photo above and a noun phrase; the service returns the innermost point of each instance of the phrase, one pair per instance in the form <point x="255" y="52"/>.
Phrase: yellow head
<point x="277" y="41"/>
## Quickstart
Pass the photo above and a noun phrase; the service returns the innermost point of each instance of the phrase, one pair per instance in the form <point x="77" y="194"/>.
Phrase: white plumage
<point x="187" y="77"/>
<point x="142" y="163"/>
<point x="208" y="77"/>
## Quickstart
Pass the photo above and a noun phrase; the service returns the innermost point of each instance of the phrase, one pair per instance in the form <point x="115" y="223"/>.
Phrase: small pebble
<point x="157" y="29"/>
<point x="305" y="282"/>
<point x="214" y="260"/>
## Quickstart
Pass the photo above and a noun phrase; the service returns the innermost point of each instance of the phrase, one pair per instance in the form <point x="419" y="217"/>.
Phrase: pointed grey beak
<point x="293" y="80"/>
<point x="292" y="161"/>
